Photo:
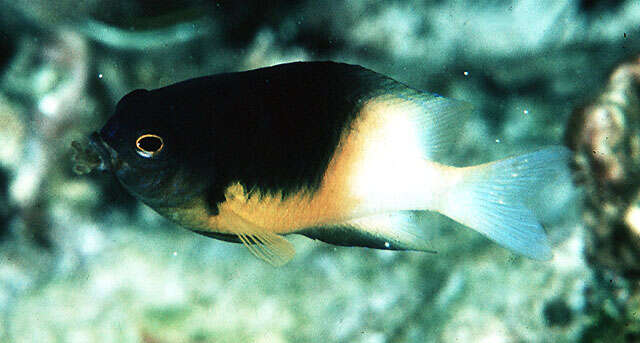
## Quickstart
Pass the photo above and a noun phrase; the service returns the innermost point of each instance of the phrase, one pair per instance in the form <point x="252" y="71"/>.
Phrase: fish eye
<point x="148" y="145"/>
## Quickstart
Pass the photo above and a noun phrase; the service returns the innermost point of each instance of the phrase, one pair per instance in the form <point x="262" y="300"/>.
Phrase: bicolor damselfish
<point x="332" y="151"/>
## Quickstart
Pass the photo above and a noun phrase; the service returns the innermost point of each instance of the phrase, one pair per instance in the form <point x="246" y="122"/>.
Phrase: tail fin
<point x="489" y="198"/>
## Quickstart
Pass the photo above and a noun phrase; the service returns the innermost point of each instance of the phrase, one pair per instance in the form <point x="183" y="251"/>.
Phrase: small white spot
<point x="25" y="185"/>
<point x="501" y="202"/>
<point x="525" y="111"/>
<point x="466" y="73"/>
<point x="91" y="241"/>
<point x="514" y="175"/>
<point x="49" y="105"/>
<point x="175" y="253"/>
<point x="632" y="218"/>
<point x="497" y="140"/>
<point x="99" y="76"/>
<point x="386" y="244"/>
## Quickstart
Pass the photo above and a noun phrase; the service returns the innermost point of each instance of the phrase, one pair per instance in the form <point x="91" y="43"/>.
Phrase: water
<point x="82" y="261"/>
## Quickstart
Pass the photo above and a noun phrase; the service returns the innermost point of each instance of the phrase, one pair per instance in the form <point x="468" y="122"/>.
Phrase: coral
<point x="606" y="137"/>
<point x="81" y="261"/>
<point x="605" y="134"/>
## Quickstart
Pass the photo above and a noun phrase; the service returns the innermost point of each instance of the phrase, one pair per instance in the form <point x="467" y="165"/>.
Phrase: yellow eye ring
<point x="149" y="145"/>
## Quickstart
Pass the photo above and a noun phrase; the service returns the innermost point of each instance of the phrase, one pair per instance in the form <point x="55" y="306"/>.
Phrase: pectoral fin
<point x="270" y="247"/>
<point x="263" y="244"/>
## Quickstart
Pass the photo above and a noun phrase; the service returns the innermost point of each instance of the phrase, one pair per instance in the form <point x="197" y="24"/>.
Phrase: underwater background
<point x="82" y="261"/>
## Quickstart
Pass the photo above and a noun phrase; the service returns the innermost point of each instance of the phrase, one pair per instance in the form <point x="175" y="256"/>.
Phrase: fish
<point x="331" y="151"/>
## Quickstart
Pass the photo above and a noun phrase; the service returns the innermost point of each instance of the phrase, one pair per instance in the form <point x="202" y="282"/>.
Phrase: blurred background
<point x="82" y="261"/>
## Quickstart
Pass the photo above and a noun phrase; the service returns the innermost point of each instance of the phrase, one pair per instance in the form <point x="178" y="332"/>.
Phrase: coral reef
<point x="81" y="261"/>
<point x="606" y="137"/>
<point x="605" y="134"/>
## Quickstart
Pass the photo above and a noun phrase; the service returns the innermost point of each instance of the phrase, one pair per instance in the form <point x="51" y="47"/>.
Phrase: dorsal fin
<point x="439" y="120"/>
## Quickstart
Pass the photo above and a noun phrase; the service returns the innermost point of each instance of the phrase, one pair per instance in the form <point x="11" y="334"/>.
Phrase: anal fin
<point x="388" y="231"/>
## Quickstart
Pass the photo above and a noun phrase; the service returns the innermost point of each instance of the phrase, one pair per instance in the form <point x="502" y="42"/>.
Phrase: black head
<point x="157" y="145"/>
<point x="139" y="133"/>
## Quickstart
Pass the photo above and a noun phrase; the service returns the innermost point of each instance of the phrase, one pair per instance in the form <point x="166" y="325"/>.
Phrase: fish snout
<point x="95" y="154"/>
<point x="108" y="156"/>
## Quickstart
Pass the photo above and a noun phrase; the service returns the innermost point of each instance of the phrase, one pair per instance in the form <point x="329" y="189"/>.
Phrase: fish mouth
<point x="96" y="154"/>
<point x="108" y="157"/>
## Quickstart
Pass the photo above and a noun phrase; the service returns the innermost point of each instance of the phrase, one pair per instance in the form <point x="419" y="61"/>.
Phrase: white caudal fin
<point x="489" y="198"/>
